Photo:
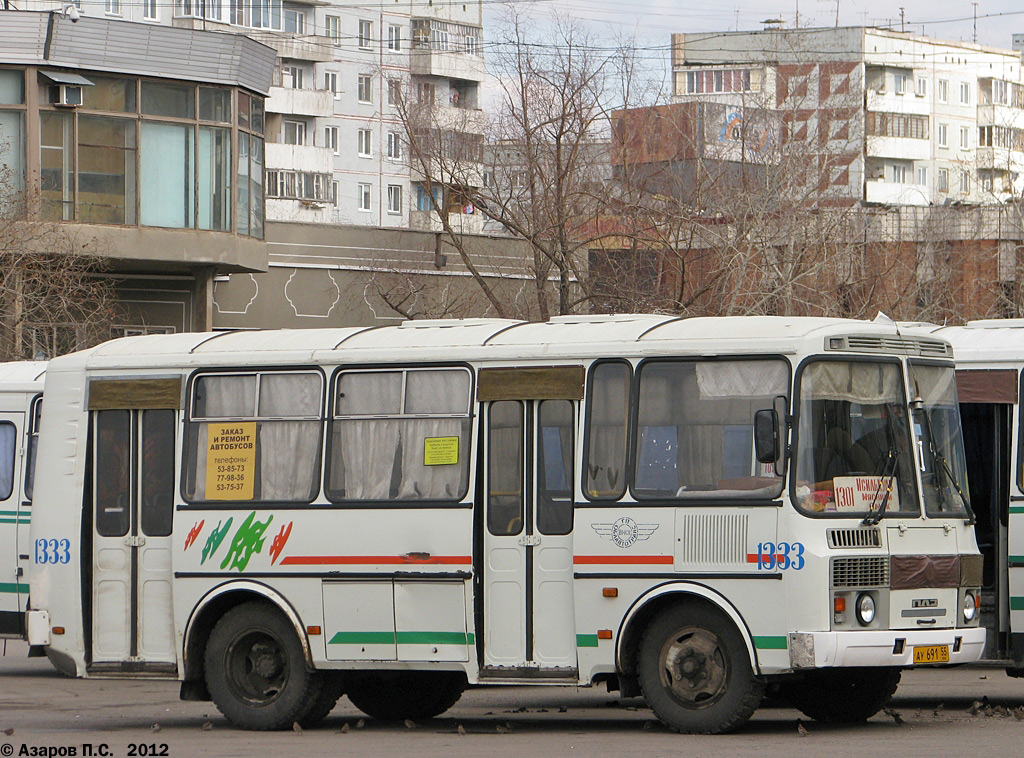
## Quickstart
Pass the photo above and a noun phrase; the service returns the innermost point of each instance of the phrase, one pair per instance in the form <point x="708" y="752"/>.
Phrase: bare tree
<point x="53" y="296"/>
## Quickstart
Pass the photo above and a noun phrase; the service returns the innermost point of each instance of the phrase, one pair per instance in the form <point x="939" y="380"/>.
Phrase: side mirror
<point x="766" y="435"/>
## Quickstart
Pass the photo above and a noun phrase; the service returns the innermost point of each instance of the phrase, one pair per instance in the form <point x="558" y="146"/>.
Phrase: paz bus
<point x="989" y="358"/>
<point x="690" y="510"/>
<point x="21" y="389"/>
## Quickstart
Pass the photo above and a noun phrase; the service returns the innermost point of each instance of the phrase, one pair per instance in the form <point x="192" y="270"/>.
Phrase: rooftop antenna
<point x="974" y="37"/>
<point x="903" y="19"/>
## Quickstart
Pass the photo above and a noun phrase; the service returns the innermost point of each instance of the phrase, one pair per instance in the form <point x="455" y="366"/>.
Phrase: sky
<point x="652" y="22"/>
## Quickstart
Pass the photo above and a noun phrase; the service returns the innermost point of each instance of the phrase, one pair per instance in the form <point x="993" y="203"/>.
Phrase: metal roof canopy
<point x="65" y="77"/>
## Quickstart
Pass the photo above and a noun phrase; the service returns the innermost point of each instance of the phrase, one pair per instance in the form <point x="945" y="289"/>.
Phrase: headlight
<point x="865" y="609"/>
<point x="970" y="606"/>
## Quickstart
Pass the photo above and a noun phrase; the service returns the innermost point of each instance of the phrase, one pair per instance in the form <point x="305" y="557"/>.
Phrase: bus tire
<point x="332" y="690"/>
<point x="694" y="671"/>
<point x="256" y="671"/>
<point x="842" y="695"/>
<point x="400" y="695"/>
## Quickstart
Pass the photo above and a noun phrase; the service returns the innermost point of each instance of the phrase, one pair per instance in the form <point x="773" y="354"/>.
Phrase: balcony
<point x="318" y="103"/>
<point x="462" y="223"/>
<point x="903" y="148"/>
<point x="1001" y="159"/>
<point x="888" y="101"/>
<point x="452" y="65"/>
<point x="302" y="47"/>
<point x="1000" y="115"/>
<point x="890" y="193"/>
<point x="299" y="158"/>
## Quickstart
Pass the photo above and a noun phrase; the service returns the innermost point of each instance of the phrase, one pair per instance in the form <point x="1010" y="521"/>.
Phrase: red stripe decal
<point x="374" y="560"/>
<point x="634" y="559"/>
<point x="767" y="558"/>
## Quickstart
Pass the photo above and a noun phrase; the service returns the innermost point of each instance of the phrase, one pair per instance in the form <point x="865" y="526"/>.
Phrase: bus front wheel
<point x="256" y="670"/>
<point x="842" y="695"/>
<point x="695" y="672"/>
<point x="399" y="695"/>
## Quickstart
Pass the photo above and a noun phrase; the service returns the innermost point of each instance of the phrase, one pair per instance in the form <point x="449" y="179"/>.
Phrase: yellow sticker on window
<point x="440" y="451"/>
<point x="230" y="460"/>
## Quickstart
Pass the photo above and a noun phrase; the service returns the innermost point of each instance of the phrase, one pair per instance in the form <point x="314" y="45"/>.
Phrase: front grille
<point x="902" y="345"/>
<point x="870" y="571"/>
<point x="853" y="538"/>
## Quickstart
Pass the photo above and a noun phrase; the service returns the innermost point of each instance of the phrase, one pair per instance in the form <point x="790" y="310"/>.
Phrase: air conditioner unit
<point x="66" y="95"/>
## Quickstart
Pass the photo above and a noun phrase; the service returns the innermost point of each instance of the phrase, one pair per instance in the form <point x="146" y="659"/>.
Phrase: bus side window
<point x="8" y="446"/>
<point x="33" y="442"/>
<point x="607" y="416"/>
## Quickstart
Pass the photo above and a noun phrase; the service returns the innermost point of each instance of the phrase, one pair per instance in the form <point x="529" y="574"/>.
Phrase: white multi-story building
<point x="910" y="120"/>
<point x="335" y="140"/>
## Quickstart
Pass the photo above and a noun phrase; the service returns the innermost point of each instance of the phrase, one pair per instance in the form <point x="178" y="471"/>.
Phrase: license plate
<point x="931" y="654"/>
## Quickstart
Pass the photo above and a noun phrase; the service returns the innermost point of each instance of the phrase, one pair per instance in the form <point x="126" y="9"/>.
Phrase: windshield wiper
<point x="888" y="477"/>
<point x="944" y="465"/>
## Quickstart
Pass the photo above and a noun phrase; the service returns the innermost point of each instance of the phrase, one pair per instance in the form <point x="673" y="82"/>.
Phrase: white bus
<point x="21" y="389"/>
<point x="989" y="358"/>
<point x="687" y="509"/>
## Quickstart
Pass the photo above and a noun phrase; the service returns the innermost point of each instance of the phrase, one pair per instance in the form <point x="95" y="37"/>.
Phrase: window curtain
<point x="422" y="482"/>
<point x="8" y="442"/>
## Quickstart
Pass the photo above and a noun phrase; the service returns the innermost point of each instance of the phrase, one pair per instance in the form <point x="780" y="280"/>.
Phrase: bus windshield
<point x="854" y="456"/>
<point x="939" y="440"/>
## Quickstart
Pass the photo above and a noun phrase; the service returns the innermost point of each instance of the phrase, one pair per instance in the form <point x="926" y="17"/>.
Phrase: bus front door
<point x="133" y="505"/>
<point x="528" y="625"/>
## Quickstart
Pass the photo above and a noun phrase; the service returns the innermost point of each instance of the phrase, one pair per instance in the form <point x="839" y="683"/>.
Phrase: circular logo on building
<point x="625" y="532"/>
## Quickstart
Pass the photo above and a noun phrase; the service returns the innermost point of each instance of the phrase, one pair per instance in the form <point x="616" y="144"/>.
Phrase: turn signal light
<point x="312" y="630"/>
<point x="604" y="634"/>
<point x="839" y="604"/>
<point x="610" y="592"/>
<point x="58" y="630"/>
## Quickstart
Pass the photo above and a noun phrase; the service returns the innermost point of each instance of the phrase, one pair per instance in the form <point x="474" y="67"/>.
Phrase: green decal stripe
<point x="1017" y="603"/>
<point x="1017" y="509"/>
<point x="13" y="521"/>
<point x="770" y="643"/>
<point x="14" y="588"/>
<point x="586" y="640"/>
<point x="401" y="638"/>
<point x="1015" y="559"/>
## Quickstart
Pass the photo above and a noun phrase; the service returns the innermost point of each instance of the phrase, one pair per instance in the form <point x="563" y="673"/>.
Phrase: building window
<point x="394" y="146"/>
<point x="331" y="138"/>
<point x="471" y="45"/>
<point x="364" y="92"/>
<point x="334" y="194"/>
<point x="294" y="132"/>
<point x="332" y="27"/>
<point x="365" y="143"/>
<point x="113" y="7"/>
<point x="294" y="21"/>
<point x="943" y="91"/>
<point x="965" y="93"/>
<point x="364" y="197"/>
<point x="331" y="82"/>
<point x="394" y="92"/>
<point x="149" y="9"/>
<point x="943" y="180"/>
<point x="899" y="174"/>
<point x="291" y="77"/>
<point x="394" y="37"/>
<point x="299" y="185"/>
<point x="965" y="181"/>
<point x="984" y="136"/>
<point x="723" y="80"/>
<point x="365" y="35"/>
<point x="922" y="87"/>
<point x="394" y="198"/>
<point x="943" y="135"/>
<point x="986" y="181"/>
<point x="965" y="137"/>
<point x="427" y="201"/>
<point x="900" y="83"/>
<point x="425" y="93"/>
<point x="896" y="125"/>
<point x="999" y="92"/>
<point x="922" y="175"/>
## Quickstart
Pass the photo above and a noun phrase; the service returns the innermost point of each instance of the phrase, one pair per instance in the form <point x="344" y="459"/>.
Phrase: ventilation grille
<point x="860" y="572"/>
<point x="716" y="539"/>
<point x="903" y="345"/>
<point x="847" y="538"/>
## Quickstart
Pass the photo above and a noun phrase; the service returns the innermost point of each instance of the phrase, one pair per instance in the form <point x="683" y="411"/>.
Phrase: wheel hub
<point x="694" y="667"/>
<point x="267" y="665"/>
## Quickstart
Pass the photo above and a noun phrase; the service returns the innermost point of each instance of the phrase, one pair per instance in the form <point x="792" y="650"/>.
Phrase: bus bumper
<point x="881" y="648"/>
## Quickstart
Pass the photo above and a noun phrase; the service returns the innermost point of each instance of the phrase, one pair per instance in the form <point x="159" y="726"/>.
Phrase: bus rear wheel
<point x="256" y="671"/>
<point x="400" y="695"/>
<point x="842" y="695"/>
<point x="695" y="672"/>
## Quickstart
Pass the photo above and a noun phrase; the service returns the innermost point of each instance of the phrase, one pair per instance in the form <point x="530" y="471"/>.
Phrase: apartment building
<point x="335" y="148"/>
<point x="146" y="144"/>
<point x="906" y="120"/>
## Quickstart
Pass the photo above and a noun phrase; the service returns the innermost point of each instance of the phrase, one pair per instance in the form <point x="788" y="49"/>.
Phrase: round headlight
<point x="970" y="606"/>
<point x="865" y="609"/>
